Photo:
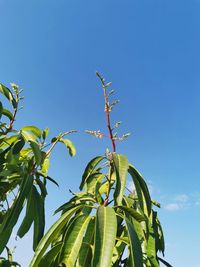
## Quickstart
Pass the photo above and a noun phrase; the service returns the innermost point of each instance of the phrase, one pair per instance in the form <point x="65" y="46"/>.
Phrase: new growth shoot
<point x="112" y="133"/>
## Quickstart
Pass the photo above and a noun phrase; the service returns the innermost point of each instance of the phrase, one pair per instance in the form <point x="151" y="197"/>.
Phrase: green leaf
<point x="50" y="256"/>
<point x="164" y="262"/>
<point x="140" y="185"/>
<point x="85" y="254"/>
<point x="39" y="217"/>
<point x="45" y="133"/>
<point x="121" y="168"/>
<point x="8" y="94"/>
<point x="49" y="237"/>
<point x="36" y="131"/>
<point x="75" y="201"/>
<point x="1" y="109"/>
<point x="106" y="186"/>
<point x="73" y="240"/>
<point x="52" y="180"/>
<point x="29" y="216"/>
<point x="13" y="214"/>
<point x="69" y="145"/>
<point x="105" y="233"/>
<point x="42" y="186"/>
<point x="151" y="248"/>
<point x="7" y="113"/>
<point x="45" y="166"/>
<point x="37" y="152"/>
<point x="136" y="256"/>
<point x="28" y="136"/>
<point x="6" y="141"/>
<point x="18" y="146"/>
<point x="90" y="169"/>
<point x="132" y="212"/>
<point x="159" y="237"/>
<point x="92" y="180"/>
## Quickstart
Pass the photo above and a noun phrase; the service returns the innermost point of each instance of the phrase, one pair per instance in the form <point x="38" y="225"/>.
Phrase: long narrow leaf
<point x="39" y="217"/>
<point x="136" y="257"/>
<point x="37" y="152"/>
<point x="89" y="169"/>
<point x="70" y="146"/>
<point x="141" y="186"/>
<point x="85" y="254"/>
<point x="50" y="256"/>
<point x="36" y="131"/>
<point x="14" y="212"/>
<point x="164" y="262"/>
<point x="136" y="215"/>
<point x="121" y="169"/>
<point x="105" y="234"/>
<point x="29" y="216"/>
<point x="73" y="240"/>
<point x="50" y="235"/>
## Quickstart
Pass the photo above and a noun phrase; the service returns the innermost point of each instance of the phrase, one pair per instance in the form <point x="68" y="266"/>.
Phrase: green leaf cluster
<point x="24" y="166"/>
<point x="105" y="224"/>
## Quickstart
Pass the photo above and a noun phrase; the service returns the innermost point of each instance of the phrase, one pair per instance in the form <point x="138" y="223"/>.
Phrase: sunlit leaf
<point x="105" y="233"/>
<point x="37" y="152"/>
<point x="36" y="131"/>
<point x="121" y="169"/>
<point x="51" y="235"/>
<point x="89" y="169"/>
<point x="73" y="239"/>
<point x="70" y="146"/>
<point x="136" y="257"/>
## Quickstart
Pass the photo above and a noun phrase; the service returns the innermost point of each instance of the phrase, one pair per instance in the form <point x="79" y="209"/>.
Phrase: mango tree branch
<point x="107" y="111"/>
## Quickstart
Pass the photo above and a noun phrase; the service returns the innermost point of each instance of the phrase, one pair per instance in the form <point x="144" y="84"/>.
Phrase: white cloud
<point x="172" y="207"/>
<point x="181" y="201"/>
<point x="178" y="202"/>
<point x="183" y="198"/>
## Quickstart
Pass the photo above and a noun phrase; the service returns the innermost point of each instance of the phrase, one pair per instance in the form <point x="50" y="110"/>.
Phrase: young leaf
<point x="28" y="136"/>
<point x="8" y="94"/>
<point x="69" y="145"/>
<point x="36" y="131"/>
<point x="45" y="166"/>
<point x="45" y="133"/>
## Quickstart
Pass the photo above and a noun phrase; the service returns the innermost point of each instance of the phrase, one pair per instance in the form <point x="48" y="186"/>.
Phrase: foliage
<point x="106" y="224"/>
<point x="24" y="164"/>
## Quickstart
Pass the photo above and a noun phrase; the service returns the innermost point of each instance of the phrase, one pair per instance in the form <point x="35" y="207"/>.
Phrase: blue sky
<point x="149" y="49"/>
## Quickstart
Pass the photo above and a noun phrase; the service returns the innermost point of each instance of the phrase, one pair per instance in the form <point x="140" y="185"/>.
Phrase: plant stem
<point x="107" y="111"/>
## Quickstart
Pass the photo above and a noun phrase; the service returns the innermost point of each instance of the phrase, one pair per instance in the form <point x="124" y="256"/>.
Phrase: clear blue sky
<point x="150" y="49"/>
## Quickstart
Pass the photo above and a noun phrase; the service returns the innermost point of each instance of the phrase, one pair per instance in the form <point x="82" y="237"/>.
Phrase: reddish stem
<point x="108" y="119"/>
